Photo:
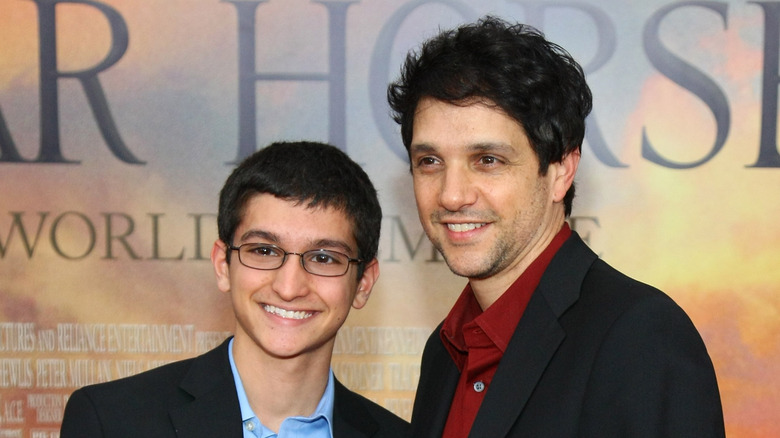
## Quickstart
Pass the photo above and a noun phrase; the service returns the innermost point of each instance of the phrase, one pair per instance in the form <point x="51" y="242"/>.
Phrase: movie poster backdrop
<point x="121" y="119"/>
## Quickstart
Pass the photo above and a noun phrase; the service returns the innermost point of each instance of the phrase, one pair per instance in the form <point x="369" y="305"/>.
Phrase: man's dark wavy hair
<point x="310" y="173"/>
<point x="512" y="66"/>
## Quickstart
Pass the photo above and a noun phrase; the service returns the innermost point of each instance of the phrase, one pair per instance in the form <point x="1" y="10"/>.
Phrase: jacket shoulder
<point x="356" y="415"/>
<point x="94" y="410"/>
<point x="142" y="400"/>
<point x="140" y="387"/>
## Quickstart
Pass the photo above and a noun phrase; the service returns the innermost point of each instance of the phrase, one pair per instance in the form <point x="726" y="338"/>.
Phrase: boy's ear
<point x="221" y="266"/>
<point x="366" y="284"/>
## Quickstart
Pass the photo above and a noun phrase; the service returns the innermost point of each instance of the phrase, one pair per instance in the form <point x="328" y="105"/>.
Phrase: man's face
<point x="480" y="197"/>
<point x="289" y="312"/>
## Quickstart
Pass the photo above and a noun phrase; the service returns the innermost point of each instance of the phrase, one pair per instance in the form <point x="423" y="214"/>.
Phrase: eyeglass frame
<point x="350" y="260"/>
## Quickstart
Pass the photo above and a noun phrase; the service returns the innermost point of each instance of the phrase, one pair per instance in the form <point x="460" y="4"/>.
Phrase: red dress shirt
<point x="477" y="339"/>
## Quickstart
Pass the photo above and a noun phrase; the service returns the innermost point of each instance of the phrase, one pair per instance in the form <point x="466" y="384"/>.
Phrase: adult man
<point x="546" y="340"/>
<point x="298" y="235"/>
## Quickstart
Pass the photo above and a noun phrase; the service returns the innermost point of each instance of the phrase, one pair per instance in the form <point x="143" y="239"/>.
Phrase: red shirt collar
<point x="496" y="322"/>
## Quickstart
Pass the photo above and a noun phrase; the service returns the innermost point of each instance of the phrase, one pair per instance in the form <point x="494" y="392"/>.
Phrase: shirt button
<point x="250" y="426"/>
<point x="479" y="386"/>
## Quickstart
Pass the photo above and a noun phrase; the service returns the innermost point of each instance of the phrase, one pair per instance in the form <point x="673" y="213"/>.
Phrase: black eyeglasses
<point x="267" y="257"/>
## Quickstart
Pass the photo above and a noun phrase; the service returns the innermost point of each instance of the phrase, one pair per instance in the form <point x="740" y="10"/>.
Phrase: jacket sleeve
<point x="80" y="419"/>
<point x="653" y="377"/>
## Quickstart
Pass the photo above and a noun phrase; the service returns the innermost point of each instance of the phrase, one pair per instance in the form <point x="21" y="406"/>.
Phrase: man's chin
<point x="469" y="268"/>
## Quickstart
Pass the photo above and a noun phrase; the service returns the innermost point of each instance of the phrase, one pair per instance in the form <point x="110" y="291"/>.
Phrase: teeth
<point x="289" y="314"/>
<point x="464" y="227"/>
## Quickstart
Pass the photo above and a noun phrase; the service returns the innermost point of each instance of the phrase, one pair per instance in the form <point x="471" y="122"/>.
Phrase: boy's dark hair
<point x="310" y="173"/>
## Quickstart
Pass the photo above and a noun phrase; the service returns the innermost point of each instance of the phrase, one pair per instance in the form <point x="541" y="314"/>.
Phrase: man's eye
<point x="426" y="161"/>
<point x="488" y="160"/>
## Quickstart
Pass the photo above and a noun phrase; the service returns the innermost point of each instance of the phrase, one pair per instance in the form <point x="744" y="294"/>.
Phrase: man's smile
<point x="460" y="228"/>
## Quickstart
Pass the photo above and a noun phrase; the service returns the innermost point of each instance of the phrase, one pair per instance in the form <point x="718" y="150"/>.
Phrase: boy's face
<point x="289" y="312"/>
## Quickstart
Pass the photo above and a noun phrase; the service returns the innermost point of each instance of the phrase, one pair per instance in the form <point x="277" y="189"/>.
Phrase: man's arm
<point x="653" y="377"/>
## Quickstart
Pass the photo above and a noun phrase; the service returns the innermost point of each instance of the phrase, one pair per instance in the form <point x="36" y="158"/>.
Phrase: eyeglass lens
<point x="318" y="262"/>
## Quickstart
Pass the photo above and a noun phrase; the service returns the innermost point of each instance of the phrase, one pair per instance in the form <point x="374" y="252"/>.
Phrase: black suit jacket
<point x="596" y="354"/>
<point x="196" y="398"/>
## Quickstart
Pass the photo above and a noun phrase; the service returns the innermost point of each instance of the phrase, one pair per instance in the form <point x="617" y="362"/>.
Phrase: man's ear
<point x="221" y="265"/>
<point x="366" y="283"/>
<point x="564" y="174"/>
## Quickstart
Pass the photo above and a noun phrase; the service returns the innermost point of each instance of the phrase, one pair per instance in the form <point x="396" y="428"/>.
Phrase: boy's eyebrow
<point x="260" y="234"/>
<point x="330" y="243"/>
<point x="316" y="244"/>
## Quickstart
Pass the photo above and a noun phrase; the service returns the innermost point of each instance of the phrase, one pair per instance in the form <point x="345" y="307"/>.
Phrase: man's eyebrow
<point x="491" y="147"/>
<point x="487" y="146"/>
<point x="422" y="148"/>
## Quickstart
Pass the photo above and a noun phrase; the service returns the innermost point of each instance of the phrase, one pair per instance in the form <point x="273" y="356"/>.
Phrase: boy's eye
<point x="321" y="258"/>
<point x="263" y="250"/>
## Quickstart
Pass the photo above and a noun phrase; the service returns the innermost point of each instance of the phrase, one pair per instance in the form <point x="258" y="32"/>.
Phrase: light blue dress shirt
<point x="318" y="425"/>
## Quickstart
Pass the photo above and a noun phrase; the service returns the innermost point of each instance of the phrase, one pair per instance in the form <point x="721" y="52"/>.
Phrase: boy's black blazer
<point x="196" y="398"/>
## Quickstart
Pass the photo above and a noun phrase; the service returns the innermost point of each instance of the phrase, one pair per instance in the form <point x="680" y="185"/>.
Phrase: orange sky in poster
<point x="710" y="237"/>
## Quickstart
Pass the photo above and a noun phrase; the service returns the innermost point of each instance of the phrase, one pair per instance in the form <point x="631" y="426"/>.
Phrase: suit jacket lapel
<point x="214" y="409"/>
<point x="532" y="346"/>
<point x="432" y="405"/>
<point x="534" y="342"/>
<point x="350" y="417"/>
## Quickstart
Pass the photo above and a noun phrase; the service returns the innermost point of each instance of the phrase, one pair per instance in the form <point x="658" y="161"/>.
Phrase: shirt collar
<point x="324" y="407"/>
<point x="495" y="321"/>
